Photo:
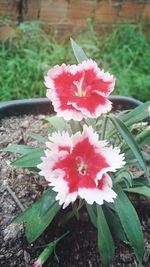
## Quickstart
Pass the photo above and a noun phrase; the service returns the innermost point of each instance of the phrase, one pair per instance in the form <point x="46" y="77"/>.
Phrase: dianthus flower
<point x="79" y="91"/>
<point x="76" y="166"/>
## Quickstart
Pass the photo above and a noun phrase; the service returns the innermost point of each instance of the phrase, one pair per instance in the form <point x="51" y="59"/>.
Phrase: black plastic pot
<point x="44" y="106"/>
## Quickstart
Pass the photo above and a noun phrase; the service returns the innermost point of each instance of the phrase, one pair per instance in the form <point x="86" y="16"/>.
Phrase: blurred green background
<point x="26" y="56"/>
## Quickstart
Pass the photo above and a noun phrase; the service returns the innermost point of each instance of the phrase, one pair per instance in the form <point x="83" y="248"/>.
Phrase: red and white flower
<point x="76" y="166"/>
<point x="79" y="91"/>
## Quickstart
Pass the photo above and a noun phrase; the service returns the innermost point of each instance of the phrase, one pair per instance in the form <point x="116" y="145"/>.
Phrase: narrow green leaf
<point x="134" y="116"/>
<point x="114" y="224"/>
<point x="37" y="137"/>
<point x="142" y="190"/>
<point x="141" y="181"/>
<point x="35" y="222"/>
<point x="130" y="222"/>
<point x="125" y="176"/>
<point x="29" y="160"/>
<point x="130" y="159"/>
<point x="137" y="114"/>
<point x="78" y="51"/>
<point x="105" y="241"/>
<point x="58" y="123"/>
<point x="143" y="137"/>
<point x="127" y="136"/>
<point x="92" y="214"/>
<point x="21" y="149"/>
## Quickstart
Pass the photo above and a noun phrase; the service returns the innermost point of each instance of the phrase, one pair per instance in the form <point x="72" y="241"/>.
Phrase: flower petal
<point x="93" y="106"/>
<point x="59" y="141"/>
<point x="64" y="196"/>
<point x="100" y="193"/>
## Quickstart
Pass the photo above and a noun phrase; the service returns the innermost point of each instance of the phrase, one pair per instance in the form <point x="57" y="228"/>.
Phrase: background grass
<point x="25" y="59"/>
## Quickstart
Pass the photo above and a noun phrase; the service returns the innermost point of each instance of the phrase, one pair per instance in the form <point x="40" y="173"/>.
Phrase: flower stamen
<point x="82" y="168"/>
<point x="80" y="92"/>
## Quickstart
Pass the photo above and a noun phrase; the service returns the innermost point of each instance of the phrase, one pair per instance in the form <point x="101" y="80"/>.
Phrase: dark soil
<point x="79" y="248"/>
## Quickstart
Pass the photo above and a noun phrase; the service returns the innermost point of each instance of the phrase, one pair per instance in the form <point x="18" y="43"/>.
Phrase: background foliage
<point x="25" y="58"/>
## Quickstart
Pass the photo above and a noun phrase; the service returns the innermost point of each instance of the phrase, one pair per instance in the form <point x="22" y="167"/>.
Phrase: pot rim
<point x="44" y="105"/>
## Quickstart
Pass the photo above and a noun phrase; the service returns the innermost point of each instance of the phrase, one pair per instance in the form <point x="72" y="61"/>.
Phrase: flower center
<point x="81" y="166"/>
<point x="79" y="84"/>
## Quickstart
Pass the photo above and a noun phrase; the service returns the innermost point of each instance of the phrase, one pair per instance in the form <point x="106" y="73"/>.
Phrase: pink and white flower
<point x="76" y="166"/>
<point x="37" y="263"/>
<point x="79" y="91"/>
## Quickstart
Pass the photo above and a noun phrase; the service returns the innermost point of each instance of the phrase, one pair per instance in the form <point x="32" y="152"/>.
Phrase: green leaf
<point x="92" y="214"/>
<point x="48" y="199"/>
<point x="141" y="181"/>
<point x="115" y="224"/>
<point x="78" y="51"/>
<point x="105" y="241"/>
<point x="21" y="149"/>
<point x="130" y="222"/>
<point x="143" y="137"/>
<point x="58" y="123"/>
<point x="37" y="137"/>
<point x="75" y="126"/>
<point x="142" y="190"/>
<point x="130" y="159"/>
<point x="125" y="176"/>
<point x="137" y="114"/>
<point x="92" y="122"/>
<point x="29" y="160"/>
<point x="35" y="222"/>
<point x="124" y="132"/>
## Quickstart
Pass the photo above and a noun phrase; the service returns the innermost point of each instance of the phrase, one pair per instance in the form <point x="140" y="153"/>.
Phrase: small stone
<point x="20" y="176"/>
<point x="8" y="255"/>
<point x="19" y="253"/>
<point x="21" y="194"/>
<point x="26" y="256"/>
<point x="25" y="124"/>
<point x="2" y="129"/>
<point x="12" y="231"/>
<point x="41" y="117"/>
<point x="76" y="256"/>
<point x="2" y="257"/>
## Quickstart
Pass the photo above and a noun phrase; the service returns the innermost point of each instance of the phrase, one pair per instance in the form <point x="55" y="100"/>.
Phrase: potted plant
<point x="87" y="160"/>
